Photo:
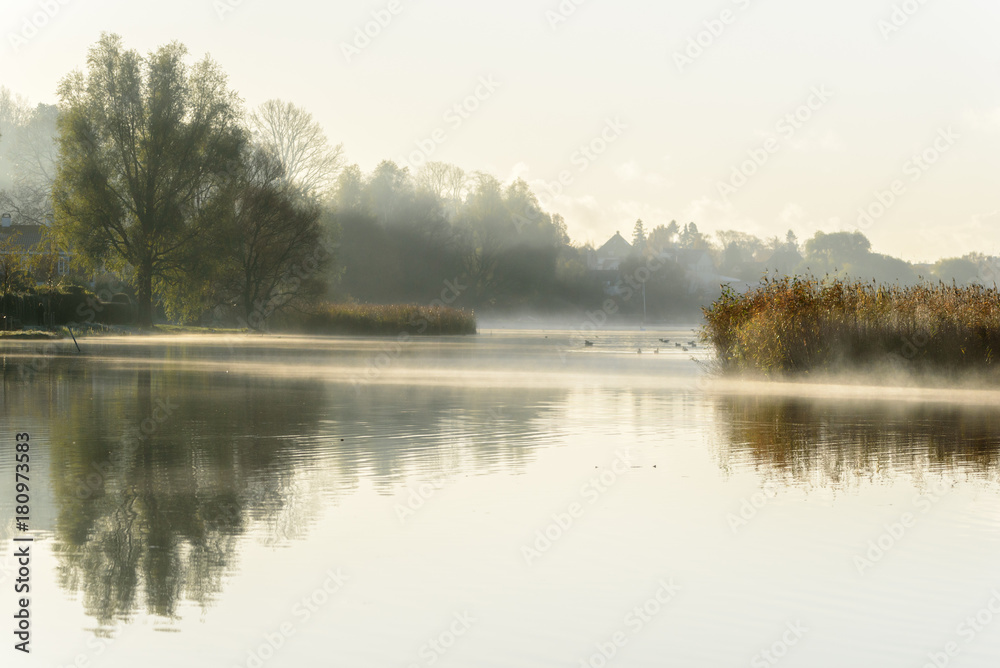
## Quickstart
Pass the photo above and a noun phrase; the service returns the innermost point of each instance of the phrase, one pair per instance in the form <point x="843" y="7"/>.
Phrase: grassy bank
<point x="388" y="320"/>
<point x="353" y="319"/>
<point x="29" y="335"/>
<point x="797" y="325"/>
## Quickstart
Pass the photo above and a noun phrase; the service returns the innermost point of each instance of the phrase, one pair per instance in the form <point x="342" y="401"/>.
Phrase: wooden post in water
<point x="70" y="330"/>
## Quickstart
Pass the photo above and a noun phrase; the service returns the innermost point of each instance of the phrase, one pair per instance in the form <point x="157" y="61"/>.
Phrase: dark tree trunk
<point x="145" y="296"/>
<point x="248" y="309"/>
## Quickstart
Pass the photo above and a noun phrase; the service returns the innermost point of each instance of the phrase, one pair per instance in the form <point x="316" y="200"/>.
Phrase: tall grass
<point x="803" y="325"/>
<point x="390" y="319"/>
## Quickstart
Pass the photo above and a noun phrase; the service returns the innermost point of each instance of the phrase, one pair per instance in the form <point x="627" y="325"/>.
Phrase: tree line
<point x="150" y="171"/>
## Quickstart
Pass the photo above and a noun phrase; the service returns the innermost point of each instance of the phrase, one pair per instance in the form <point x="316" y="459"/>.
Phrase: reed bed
<point x="795" y="325"/>
<point x="389" y="320"/>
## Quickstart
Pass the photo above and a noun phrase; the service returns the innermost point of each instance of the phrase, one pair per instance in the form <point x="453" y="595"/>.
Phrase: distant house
<point x="609" y="256"/>
<point x="26" y="239"/>
<point x="701" y="274"/>
<point x="696" y="262"/>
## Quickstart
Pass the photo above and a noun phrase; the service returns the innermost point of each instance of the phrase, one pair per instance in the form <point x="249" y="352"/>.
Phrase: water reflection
<point x="841" y="444"/>
<point x="158" y="473"/>
<point x="156" y="482"/>
<point x="167" y="474"/>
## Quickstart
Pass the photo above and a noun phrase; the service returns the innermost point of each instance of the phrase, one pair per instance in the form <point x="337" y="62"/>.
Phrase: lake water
<point x="509" y="499"/>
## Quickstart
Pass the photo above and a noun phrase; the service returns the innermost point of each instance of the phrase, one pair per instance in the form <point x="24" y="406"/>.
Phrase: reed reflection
<point x="843" y="443"/>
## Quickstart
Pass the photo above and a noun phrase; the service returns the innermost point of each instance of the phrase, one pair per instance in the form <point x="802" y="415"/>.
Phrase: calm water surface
<point x="510" y="499"/>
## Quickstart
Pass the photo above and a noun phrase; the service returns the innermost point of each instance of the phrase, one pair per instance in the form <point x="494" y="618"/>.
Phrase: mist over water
<point x="207" y="486"/>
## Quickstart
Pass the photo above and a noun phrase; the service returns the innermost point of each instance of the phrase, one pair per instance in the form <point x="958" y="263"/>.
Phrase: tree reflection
<point x="159" y="473"/>
<point x="154" y="494"/>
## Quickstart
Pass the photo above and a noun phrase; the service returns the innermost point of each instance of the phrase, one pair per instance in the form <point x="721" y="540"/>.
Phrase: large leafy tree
<point x="144" y="143"/>
<point x="273" y="245"/>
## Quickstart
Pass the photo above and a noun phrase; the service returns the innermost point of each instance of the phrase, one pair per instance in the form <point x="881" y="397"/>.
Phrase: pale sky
<point x="550" y="81"/>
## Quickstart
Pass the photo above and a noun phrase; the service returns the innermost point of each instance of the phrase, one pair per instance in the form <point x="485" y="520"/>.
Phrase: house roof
<point x="26" y="237"/>
<point x="616" y="246"/>
<point x="691" y="256"/>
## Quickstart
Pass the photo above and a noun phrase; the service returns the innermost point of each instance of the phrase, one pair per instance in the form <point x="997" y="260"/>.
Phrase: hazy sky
<point x="871" y="86"/>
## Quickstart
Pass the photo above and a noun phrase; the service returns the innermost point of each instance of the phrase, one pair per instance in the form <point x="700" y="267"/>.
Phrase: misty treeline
<point x="839" y="255"/>
<point x="451" y="237"/>
<point x="154" y="179"/>
<point x="27" y="158"/>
